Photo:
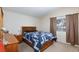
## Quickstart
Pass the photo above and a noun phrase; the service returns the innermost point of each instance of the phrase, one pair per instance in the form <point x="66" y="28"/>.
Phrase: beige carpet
<point x="56" y="47"/>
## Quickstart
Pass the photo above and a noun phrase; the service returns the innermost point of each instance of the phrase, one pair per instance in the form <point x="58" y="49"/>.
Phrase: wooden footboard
<point x="45" y="45"/>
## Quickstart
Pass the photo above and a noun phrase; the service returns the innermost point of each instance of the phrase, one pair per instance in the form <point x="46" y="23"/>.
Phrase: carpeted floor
<point x="56" y="47"/>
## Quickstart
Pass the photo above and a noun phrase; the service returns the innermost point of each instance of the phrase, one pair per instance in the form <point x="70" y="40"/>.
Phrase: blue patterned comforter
<point x="38" y="39"/>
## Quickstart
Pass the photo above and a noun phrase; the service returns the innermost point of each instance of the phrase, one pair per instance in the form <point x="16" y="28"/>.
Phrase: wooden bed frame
<point x="33" y="29"/>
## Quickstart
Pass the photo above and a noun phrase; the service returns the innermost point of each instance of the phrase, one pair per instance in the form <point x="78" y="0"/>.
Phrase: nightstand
<point x="19" y="38"/>
<point x="12" y="45"/>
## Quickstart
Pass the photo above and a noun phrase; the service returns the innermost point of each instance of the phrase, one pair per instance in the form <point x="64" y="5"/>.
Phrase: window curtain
<point x="53" y="25"/>
<point x="72" y="29"/>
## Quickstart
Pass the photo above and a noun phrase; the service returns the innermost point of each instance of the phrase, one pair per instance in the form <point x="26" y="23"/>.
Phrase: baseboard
<point x="68" y="44"/>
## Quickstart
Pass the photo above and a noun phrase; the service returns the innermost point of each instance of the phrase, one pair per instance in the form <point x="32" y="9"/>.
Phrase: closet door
<point x="1" y="21"/>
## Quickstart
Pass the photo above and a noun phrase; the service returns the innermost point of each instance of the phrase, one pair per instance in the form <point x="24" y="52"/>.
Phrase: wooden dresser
<point x="19" y="38"/>
<point x="12" y="45"/>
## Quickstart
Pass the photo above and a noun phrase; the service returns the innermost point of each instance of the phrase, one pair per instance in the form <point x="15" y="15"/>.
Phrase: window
<point x="61" y="23"/>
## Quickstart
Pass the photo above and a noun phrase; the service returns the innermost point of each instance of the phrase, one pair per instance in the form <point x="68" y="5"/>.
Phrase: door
<point x="1" y="21"/>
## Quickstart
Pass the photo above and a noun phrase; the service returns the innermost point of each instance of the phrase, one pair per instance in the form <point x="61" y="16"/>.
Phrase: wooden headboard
<point x="28" y="29"/>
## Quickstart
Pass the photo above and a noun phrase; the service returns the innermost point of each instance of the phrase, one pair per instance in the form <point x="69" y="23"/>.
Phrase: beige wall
<point x="45" y="21"/>
<point x="14" y="21"/>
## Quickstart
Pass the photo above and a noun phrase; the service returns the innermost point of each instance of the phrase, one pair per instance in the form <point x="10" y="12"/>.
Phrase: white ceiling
<point x="32" y="11"/>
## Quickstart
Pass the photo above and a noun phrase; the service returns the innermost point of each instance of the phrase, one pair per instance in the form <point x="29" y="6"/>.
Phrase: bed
<point x="32" y="29"/>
